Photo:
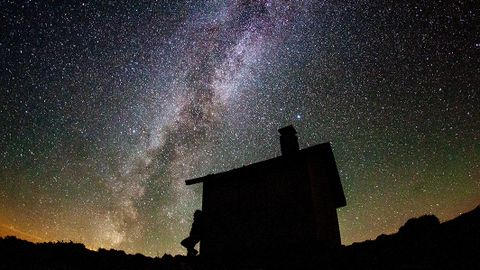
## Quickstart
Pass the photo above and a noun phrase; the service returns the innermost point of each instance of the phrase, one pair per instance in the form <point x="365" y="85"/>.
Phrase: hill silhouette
<point x="20" y="254"/>
<point x="421" y="243"/>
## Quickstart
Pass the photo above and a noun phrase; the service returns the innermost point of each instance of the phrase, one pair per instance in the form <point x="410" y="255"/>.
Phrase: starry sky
<point x="106" y="107"/>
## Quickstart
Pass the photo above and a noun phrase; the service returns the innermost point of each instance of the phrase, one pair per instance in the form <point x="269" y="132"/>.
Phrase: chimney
<point x="288" y="140"/>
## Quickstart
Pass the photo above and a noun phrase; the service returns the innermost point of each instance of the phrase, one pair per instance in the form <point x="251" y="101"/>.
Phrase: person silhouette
<point x="195" y="234"/>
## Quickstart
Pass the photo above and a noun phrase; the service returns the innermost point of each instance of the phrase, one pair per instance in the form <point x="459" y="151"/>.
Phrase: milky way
<point x="107" y="108"/>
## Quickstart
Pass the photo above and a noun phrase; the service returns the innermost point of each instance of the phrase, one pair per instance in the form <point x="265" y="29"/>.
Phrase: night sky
<point x="106" y="108"/>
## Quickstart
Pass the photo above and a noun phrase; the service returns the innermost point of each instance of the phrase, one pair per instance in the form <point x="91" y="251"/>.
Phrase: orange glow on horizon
<point x="7" y="230"/>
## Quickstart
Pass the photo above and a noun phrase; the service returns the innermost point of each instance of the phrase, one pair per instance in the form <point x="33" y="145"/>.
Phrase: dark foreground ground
<point x="422" y="243"/>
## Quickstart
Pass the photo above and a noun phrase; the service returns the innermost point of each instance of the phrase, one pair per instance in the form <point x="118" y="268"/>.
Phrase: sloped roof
<point x="321" y="151"/>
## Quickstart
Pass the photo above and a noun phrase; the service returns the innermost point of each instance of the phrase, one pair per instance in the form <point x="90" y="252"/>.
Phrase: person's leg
<point x="192" y="252"/>
<point x="188" y="243"/>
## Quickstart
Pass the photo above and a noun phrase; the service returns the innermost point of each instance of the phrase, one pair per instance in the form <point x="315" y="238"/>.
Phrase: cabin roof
<point x="322" y="151"/>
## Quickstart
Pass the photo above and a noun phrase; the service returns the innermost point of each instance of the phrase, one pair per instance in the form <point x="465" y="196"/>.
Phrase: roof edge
<point x="211" y="176"/>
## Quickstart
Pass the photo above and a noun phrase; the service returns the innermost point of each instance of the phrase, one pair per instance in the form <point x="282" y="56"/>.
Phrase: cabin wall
<point x="323" y="201"/>
<point x="258" y="213"/>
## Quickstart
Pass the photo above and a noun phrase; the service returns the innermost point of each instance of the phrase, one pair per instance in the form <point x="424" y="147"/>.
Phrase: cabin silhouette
<point x="284" y="204"/>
